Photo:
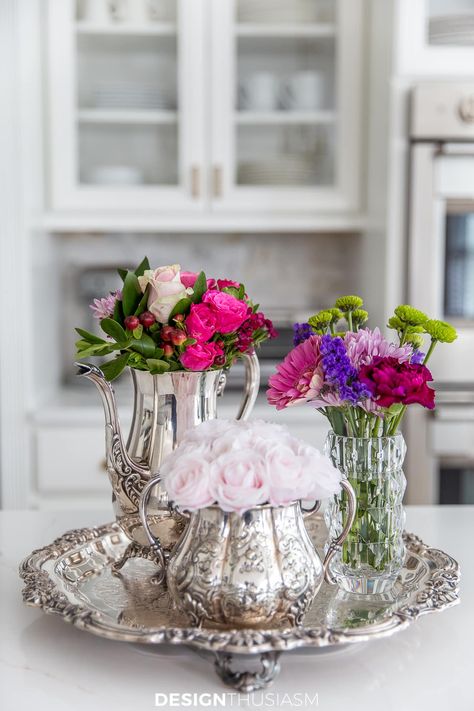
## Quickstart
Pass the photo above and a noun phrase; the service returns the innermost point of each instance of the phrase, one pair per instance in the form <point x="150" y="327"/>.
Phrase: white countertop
<point x="47" y="664"/>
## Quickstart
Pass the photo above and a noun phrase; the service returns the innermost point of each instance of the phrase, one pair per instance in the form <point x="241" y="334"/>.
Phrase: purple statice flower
<point x="417" y="357"/>
<point x="104" y="308"/>
<point x="339" y="371"/>
<point x="301" y="332"/>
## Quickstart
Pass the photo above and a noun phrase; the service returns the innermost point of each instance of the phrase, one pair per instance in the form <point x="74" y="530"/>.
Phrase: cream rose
<point x="166" y="289"/>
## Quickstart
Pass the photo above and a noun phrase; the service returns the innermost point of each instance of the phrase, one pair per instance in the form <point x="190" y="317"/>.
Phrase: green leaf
<point x="118" y="312"/>
<point x="189" y="342"/>
<point x="241" y="293"/>
<point x="158" y="353"/>
<point x="96" y="349"/>
<point x="122" y="273"/>
<point x="157" y="367"/>
<point x="174" y="365"/>
<point x="131" y="294"/>
<point x="113" y="368"/>
<point x="114" y="329"/>
<point x="137" y="332"/>
<point x="200" y="286"/>
<point x="142" y="306"/>
<point x="142" y="267"/>
<point x="181" y="307"/>
<point x="231" y="290"/>
<point x="146" y="346"/>
<point x="89" y="337"/>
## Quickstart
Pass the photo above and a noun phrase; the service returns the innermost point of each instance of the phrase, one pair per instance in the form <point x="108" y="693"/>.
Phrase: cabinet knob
<point x="466" y="109"/>
<point x="195" y="181"/>
<point x="217" y="181"/>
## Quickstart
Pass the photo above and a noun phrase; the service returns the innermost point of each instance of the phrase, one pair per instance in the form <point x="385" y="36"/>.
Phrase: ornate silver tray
<point x="72" y="577"/>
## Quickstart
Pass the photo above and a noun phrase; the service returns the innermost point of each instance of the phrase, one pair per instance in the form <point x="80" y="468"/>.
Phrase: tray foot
<point x="135" y="550"/>
<point x="248" y="681"/>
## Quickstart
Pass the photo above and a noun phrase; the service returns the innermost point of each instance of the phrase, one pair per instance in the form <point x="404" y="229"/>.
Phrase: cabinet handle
<point x="195" y="181"/>
<point x="217" y="181"/>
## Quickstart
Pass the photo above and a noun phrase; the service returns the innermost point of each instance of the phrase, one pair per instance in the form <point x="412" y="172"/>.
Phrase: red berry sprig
<point x="147" y="319"/>
<point x="131" y="323"/>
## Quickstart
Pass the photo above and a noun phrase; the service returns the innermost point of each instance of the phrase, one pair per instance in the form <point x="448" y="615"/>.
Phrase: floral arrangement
<point x="358" y="379"/>
<point x="240" y="465"/>
<point x="164" y="319"/>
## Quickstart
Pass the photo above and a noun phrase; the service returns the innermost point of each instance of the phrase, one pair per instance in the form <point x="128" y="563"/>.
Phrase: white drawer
<point x="71" y="459"/>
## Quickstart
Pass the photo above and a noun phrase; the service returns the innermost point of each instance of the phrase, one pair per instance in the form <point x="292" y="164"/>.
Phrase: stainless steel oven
<point x="441" y="282"/>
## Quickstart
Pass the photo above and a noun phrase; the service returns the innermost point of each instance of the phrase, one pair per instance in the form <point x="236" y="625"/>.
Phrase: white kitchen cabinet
<point x="126" y="112"/>
<point x="213" y="107"/>
<point x="435" y="38"/>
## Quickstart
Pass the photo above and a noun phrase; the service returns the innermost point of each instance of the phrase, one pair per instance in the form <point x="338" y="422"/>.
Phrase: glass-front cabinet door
<point x="286" y="92"/>
<point x="126" y="110"/>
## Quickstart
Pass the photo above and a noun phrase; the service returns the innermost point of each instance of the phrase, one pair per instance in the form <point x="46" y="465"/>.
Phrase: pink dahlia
<point x="104" y="308"/>
<point x="299" y="377"/>
<point x="365" y="345"/>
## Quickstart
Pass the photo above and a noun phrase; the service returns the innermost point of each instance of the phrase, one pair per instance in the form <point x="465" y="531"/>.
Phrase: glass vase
<point x="372" y="554"/>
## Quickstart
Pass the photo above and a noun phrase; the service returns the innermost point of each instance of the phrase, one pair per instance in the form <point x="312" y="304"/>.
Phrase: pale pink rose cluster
<point x="239" y="465"/>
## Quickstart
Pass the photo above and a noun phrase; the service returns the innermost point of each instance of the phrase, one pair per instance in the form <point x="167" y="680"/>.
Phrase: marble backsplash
<point x="289" y="275"/>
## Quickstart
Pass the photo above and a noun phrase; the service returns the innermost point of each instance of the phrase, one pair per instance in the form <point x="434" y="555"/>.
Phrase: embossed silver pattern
<point x="72" y="577"/>
<point x="165" y="407"/>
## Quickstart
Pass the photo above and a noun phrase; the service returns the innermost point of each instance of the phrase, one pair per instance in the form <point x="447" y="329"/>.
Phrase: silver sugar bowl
<point x="251" y="570"/>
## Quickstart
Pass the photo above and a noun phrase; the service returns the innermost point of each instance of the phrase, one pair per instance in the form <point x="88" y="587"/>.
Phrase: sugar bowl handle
<point x="154" y="541"/>
<point x="336" y="544"/>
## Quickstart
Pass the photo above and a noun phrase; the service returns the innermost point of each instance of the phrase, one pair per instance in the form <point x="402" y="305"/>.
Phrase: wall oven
<point x="441" y="282"/>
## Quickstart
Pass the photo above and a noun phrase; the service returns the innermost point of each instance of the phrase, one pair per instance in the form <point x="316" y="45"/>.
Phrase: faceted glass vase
<point x="372" y="554"/>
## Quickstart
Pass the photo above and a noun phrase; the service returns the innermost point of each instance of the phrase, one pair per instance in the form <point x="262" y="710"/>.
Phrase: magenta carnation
<point x="365" y="345"/>
<point x="392" y="382"/>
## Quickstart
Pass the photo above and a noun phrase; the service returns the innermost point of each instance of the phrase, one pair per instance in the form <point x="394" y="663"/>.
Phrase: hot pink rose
<point x="187" y="481"/>
<point x="224" y="283"/>
<point x="238" y="480"/>
<point x="201" y="322"/>
<point x="230" y="312"/>
<point x="200" y="356"/>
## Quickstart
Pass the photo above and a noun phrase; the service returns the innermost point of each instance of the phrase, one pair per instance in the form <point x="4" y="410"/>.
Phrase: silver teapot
<point x="165" y="407"/>
<point x="251" y="570"/>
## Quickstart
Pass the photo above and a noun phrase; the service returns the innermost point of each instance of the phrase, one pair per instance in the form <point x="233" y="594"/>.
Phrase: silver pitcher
<point x="252" y="570"/>
<point x="165" y="407"/>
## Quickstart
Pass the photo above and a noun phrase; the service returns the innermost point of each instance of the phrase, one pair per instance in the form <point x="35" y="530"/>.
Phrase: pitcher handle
<point x="154" y="542"/>
<point x="336" y="544"/>
<point x="252" y="385"/>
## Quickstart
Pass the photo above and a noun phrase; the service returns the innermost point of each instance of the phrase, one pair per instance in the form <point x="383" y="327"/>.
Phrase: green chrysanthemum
<point x="349" y="303"/>
<point x="398" y="325"/>
<point x="336" y="314"/>
<point x="359" y="316"/>
<point x="410" y="316"/>
<point x="321" y="321"/>
<point x="415" y="339"/>
<point x="440" y="331"/>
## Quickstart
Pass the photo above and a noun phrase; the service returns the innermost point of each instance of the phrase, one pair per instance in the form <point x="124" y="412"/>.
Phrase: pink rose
<point x="166" y="289"/>
<point x="224" y="283"/>
<point x="189" y="279"/>
<point x="200" y="356"/>
<point x="230" y="312"/>
<point x="187" y="481"/>
<point x="201" y="322"/>
<point x="238" y="480"/>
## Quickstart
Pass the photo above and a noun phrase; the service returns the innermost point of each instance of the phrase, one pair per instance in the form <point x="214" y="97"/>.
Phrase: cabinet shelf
<point x="126" y="116"/>
<point x="281" y="118"/>
<point x="285" y="30"/>
<point x="162" y="29"/>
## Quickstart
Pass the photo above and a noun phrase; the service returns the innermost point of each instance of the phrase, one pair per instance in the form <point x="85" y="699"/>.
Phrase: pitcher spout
<point x="116" y="452"/>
